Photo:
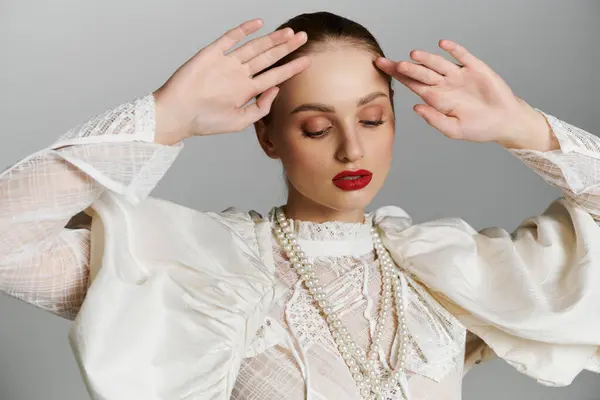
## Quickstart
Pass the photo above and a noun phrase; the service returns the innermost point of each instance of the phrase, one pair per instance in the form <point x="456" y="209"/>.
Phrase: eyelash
<point x="368" y="124"/>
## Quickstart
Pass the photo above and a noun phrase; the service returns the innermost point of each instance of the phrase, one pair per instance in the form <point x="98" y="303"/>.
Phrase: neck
<point x="301" y="208"/>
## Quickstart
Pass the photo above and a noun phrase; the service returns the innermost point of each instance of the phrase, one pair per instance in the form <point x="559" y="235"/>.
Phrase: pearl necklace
<point x="361" y="365"/>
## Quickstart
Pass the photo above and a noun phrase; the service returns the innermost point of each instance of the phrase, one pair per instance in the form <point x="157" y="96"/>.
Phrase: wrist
<point x="169" y="130"/>
<point x="530" y="130"/>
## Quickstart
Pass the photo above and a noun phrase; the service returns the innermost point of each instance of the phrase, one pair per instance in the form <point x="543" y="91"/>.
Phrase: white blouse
<point x="203" y="305"/>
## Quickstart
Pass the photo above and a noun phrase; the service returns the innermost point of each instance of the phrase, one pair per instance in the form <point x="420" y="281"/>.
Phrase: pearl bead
<point x="350" y="352"/>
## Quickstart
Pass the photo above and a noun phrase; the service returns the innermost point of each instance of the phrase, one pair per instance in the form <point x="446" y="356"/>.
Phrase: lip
<point x="363" y="178"/>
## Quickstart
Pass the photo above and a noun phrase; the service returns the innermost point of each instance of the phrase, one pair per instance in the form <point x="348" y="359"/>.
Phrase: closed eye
<point x="317" y="133"/>
<point x="372" y="123"/>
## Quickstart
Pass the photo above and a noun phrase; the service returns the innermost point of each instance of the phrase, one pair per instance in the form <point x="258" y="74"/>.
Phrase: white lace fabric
<point x="353" y="285"/>
<point x="44" y="258"/>
<point x="575" y="168"/>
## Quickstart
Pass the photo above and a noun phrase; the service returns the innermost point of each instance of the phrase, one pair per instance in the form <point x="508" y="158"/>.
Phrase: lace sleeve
<point x="44" y="250"/>
<point x="574" y="168"/>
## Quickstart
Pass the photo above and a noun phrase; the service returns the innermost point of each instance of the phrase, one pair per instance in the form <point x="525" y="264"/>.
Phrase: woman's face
<point x="333" y="118"/>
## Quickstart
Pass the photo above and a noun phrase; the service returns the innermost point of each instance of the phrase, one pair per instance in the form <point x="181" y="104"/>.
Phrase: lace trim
<point x="331" y="230"/>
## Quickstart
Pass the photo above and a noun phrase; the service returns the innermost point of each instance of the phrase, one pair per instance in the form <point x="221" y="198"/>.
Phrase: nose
<point x="350" y="148"/>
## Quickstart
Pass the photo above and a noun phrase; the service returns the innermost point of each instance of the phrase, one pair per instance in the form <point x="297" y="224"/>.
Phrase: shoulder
<point x="161" y="224"/>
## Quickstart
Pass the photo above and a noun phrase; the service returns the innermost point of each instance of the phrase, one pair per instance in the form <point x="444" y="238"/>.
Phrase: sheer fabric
<point x="344" y="262"/>
<point x="44" y="253"/>
<point x="43" y="259"/>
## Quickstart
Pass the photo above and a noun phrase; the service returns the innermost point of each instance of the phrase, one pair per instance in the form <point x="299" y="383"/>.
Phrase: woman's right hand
<point x="209" y="94"/>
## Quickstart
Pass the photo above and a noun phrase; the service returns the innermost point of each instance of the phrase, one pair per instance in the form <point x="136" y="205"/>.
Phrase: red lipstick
<point x="352" y="180"/>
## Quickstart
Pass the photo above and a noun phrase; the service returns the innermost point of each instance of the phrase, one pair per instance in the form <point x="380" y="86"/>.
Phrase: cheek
<point x="381" y="150"/>
<point x="300" y="158"/>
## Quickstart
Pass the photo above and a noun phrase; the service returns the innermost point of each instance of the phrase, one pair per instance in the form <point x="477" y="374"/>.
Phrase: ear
<point x="263" y="135"/>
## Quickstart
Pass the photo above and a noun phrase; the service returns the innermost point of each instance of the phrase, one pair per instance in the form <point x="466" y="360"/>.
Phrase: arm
<point x="44" y="250"/>
<point x="532" y="294"/>
<point x="572" y="165"/>
<point x="127" y="150"/>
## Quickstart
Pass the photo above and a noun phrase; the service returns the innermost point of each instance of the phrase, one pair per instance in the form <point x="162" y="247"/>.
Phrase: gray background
<point x="64" y="61"/>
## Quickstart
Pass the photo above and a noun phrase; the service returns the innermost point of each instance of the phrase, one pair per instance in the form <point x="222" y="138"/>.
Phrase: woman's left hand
<point x="470" y="101"/>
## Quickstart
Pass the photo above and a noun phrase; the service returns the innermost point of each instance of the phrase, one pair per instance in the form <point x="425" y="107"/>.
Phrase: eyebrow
<point x="329" y="109"/>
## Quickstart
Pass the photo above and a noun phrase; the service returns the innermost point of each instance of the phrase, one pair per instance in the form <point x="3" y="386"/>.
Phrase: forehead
<point x="337" y="76"/>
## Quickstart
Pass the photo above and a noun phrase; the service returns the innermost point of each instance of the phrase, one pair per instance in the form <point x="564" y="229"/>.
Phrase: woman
<point x="317" y="300"/>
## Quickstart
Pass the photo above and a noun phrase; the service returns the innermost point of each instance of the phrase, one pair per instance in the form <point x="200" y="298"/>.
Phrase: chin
<point x="350" y="201"/>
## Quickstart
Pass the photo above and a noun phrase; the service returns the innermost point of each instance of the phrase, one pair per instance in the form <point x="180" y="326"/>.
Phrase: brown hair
<point x="323" y="27"/>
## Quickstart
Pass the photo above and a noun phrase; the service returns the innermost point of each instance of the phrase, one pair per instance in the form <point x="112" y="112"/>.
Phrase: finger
<point x="280" y="74"/>
<point x="447" y="125"/>
<point x="271" y="56"/>
<point x="419" y="73"/>
<point x="386" y="65"/>
<point x="416" y="72"/>
<point x="415" y="86"/>
<point x="435" y="62"/>
<point x="461" y="54"/>
<point x="262" y="44"/>
<point x="237" y="34"/>
<point x="260" y="108"/>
